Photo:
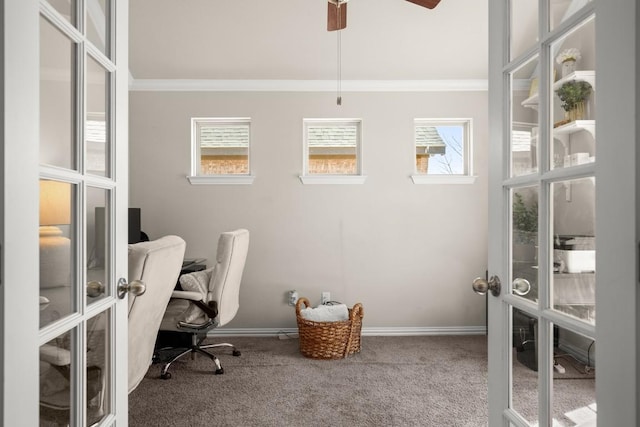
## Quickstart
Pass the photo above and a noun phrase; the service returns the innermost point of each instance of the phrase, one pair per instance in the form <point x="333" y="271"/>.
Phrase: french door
<point x="64" y="210"/>
<point x="563" y="214"/>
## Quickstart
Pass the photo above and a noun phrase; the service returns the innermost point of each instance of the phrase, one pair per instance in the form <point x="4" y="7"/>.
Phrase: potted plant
<point x="567" y="60"/>
<point x="525" y="218"/>
<point x="573" y="95"/>
<point x="525" y="228"/>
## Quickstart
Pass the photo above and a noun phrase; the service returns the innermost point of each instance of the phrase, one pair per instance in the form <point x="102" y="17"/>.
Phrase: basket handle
<point x="357" y="310"/>
<point x="299" y="303"/>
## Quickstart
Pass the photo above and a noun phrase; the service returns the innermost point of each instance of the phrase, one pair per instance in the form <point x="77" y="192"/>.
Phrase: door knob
<point x="521" y="286"/>
<point x="95" y="289"/>
<point x="136" y="287"/>
<point x="481" y="286"/>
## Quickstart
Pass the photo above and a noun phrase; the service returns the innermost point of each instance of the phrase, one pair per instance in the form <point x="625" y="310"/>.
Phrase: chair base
<point x="201" y="349"/>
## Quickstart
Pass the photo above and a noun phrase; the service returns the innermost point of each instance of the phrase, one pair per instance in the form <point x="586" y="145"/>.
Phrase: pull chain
<point x="339" y="59"/>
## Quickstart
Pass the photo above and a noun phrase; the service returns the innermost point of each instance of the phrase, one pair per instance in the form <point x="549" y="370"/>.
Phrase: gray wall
<point x="407" y="252"/>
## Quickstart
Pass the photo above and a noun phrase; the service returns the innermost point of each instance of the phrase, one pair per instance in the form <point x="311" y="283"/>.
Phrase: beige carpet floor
<point x="394" y="381"/>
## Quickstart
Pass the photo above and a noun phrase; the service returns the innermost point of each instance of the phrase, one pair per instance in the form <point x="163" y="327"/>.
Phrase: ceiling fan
<point x="337" y="12"/>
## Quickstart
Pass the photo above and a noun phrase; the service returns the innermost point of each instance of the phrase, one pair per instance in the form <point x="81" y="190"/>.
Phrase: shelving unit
<point x="563" y="132"/>
<point x="586" y="76"/>
<point x="576" y="126"/>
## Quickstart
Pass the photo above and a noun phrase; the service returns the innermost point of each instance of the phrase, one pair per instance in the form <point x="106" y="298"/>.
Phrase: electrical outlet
<point x="326" y="297"/>
<point x="293" y="297"/>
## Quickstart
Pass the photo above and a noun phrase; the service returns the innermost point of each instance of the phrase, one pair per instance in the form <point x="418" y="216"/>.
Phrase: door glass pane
<point x="57" y="250"/>
<point x="57" y="368"/>
<point x="560" y="10"/>
<point x="524" y="365"/>
<point x="97" y="126"/>
<point x="524" y="253"/>
<point x="573" y="100"/>
<point x="524" y="118"/>
<point x="57" y="97"/>
<point x="98" y="24"/>
<point x="574" y="253"/>
<point x="98" y="367"/>
<point x="574" y="379"/>
<point x="98" y="251"/>
<point x="67" y="8"/>
<point x="524" y="26"/>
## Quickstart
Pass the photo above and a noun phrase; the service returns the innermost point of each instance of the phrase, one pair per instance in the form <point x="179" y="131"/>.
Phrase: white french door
<point x="64" y="232"/>
<point x="563" y="213"/>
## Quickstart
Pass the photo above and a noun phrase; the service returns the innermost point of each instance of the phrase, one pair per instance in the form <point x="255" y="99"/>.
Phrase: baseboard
<point x="579" y="353"/>
<point x="371" y="331"/>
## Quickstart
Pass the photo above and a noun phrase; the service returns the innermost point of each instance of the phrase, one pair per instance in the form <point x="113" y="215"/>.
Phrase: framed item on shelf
<point x="533" y="90"/>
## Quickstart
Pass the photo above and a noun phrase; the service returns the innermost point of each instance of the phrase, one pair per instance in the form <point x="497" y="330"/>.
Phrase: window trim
<point x="465" y="178"/>
<point x="196" y="177"/>
<point x="307" y="178"/>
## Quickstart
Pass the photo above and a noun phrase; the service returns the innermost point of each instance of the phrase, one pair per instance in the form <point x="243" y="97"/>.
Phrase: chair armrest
<point x="210" y="308"/>
<point x="194" y="327"/>
<point x="54" y="355"/>
<point x="188" y="295"/>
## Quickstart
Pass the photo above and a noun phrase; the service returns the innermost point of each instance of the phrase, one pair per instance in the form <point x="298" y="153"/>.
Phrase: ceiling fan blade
<point x="336" y="16"/>
<point x="429" y="4"/>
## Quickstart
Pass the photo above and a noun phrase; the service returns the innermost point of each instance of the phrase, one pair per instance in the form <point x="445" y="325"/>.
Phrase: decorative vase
<point x="568" y="67"/>
<point x="576" y="113"/>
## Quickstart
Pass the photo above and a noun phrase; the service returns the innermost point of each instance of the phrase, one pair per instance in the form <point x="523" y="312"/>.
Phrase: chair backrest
<point x="157" y="263"/>
<point x="224" y="286"/>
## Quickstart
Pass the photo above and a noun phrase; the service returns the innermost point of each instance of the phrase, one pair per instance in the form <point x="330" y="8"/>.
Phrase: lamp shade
<point x="55" y="202"/>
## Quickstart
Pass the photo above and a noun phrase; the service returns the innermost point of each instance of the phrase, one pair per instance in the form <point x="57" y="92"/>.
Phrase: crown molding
<point x="202" y="85"/>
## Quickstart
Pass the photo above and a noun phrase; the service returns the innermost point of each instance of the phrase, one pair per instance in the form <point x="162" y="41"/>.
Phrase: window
<point x="442" y="151"/>
<point x="220" y="151"/>
<point x="332" y="151"/>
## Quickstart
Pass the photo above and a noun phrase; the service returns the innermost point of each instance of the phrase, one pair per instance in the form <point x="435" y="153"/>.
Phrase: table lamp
<point x="55" y="249"/>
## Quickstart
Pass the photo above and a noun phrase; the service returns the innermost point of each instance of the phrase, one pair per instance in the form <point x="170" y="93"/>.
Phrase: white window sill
<point x="221" y="179"/>
<point x="443" y="179"/>
<point x="333" y="179"/>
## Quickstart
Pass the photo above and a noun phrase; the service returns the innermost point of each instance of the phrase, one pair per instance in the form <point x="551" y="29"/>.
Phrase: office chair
<point x="55" y="384"/>
<point x="208" y="299"/>
<point x="157" y="264"/>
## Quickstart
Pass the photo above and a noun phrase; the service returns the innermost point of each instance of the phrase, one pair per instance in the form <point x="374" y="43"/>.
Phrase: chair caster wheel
<point x="236" y="353"/>
<point x="219" y="371"/>
<point x="166" y="376"/>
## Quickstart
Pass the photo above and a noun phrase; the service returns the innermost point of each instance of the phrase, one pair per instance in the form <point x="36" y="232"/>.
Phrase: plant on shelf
<point x="525" y="228"/>
<point x="567" y="60"/>
<point x="573" y="95"/>
<point x="525" y="218"/>
<point x="571" y="54"/>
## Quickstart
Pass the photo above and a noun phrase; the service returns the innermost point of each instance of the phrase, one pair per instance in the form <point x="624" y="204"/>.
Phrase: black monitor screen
<point x="135" y="231"/>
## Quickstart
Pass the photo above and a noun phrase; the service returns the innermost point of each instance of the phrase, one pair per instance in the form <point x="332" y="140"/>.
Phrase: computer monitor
<point x="135" y="231"/>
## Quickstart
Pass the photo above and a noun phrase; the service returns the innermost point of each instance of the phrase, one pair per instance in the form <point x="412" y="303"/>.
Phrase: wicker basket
<point x="329" y="340"/>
